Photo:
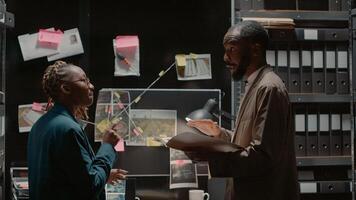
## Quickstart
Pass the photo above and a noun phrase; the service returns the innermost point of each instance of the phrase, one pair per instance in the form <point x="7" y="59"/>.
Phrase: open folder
<point x="196" y="142"/>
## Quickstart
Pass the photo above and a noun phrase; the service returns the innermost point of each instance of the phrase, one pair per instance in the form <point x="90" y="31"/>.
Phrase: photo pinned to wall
<point x="151" y="127"/>
<point x="28" y="114"/>
<point x="193" y="66"/>
<point x="116" y="191"/>
<point x="51" y="43"/>
<point x="112" y="111"/>
<point x="71" y="45"/>
<point x="183" y="172"/>
<point x="127" y="56"/>
<point x="31" y="48"/>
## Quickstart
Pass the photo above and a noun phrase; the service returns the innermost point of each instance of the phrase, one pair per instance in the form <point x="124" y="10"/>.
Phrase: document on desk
<point x="189" y="141"/>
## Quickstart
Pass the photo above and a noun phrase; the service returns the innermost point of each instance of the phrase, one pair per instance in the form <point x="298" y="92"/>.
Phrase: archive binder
<point x="324" y="135"/>
<point x="335" y="5"/>
<point x="294" y="64"/>
<point x="312" y="135"/>
<point x="243" y="5"/>
<point x="258" y="4"/>
<point x="330" y="82"/>
<point x="346" y="134"/>
<point x="300" y="144"/>
<point x="343" y="82"/>
<point x="282" y="66"/>
<point x="306" y="72"/>
<point x="271" y="58"/>
<point x="318" y="72"/>
<point x="336" y="139"/>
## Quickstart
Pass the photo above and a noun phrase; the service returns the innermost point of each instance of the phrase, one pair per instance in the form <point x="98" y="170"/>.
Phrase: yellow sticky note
<point x="151" y="142"/>
<point x="103" y="125"/>
<point x="181" y="60"/>
<point x="161" y="73"/>
<point x="193" y="55"/>
<point x="117" y="95"/>
<point x="137" y="99"/>
<point x="115" y="120"/>
<point x="139" y="129"/>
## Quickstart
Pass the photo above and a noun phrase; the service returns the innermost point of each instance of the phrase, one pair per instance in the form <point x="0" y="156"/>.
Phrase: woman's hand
<point x="116" y="175"/>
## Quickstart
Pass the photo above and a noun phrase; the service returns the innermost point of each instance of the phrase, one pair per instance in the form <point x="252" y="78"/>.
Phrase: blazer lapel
<point x="248" y="96"/>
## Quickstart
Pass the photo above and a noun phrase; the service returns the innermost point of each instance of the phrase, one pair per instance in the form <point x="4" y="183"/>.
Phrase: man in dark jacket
<point x="266" y="167"/>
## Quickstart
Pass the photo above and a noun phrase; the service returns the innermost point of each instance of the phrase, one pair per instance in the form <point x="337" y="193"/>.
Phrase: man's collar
<point x="253" y="76"/>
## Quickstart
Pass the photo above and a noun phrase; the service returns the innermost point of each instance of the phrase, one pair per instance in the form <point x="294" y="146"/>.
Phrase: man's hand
<point x="116" y="175"/>
<point x="206" y="126"/>
<point x="111" y="137"/>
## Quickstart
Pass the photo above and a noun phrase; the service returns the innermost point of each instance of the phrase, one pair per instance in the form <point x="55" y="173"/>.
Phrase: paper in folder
<point x="189" y="141"/>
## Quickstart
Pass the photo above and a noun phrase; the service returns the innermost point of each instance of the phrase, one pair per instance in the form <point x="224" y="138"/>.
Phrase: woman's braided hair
<point x="51" y="82"/>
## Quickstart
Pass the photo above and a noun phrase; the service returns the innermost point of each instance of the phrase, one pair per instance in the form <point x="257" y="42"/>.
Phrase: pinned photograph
<point x="112" y="111"/>
<point x="151" y="126"/>
<point x="31" y="48"/>
<point x="28" y="114"/>
<point x="71" y="45"/>
<point x="175" y="155"/>
<point x="193" y="66"/>
<point x="127" y="56"/>
<point x="183" y="172"/>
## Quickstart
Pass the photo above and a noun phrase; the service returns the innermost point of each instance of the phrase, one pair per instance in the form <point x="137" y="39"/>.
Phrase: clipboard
<point x="195" y="142"/>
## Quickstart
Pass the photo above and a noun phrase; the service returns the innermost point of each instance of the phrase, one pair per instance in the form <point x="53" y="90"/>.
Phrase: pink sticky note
<point x="120" y="147"/>
<point x="48" y="38"/>
<point x="180" y="162"/>
<point x="37" y="107"/>
<point x="137" y="131"/>
<point x="120" y="105"/>
<point x="126" y="41"/>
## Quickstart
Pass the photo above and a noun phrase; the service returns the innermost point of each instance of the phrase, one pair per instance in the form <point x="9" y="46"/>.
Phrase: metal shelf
<point x="319" y="98"/>
<point x="325" y="187"/>
<point x="297" y="15"/>
<point x="324" y="161"/>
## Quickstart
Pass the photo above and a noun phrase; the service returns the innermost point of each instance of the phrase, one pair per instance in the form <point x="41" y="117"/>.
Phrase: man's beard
<point x="239" y="73"/>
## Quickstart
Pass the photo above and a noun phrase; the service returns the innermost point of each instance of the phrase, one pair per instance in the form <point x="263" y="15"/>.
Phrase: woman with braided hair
<point x="61" y="162"/>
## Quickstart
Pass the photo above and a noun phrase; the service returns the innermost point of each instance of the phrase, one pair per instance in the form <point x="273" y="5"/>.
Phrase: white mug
<point x="137" y="198"/>
<point x="198" y="195"/>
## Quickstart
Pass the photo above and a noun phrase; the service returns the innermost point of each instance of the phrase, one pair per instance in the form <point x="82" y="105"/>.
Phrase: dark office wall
<point x="164" y="27"/>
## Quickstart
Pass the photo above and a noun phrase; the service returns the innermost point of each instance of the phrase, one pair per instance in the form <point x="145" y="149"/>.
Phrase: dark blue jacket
<point x="61" y="162"/>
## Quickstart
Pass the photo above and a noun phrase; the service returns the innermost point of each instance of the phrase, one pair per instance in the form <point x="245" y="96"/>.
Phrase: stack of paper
<point x="189" y="141"/>
<point x="273" y="23"/>
<point x="20" y="188"/>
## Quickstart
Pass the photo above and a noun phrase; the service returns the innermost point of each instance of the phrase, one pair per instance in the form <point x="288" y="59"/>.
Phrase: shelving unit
<point x="317" y="72"/>
<point x="7" y="20"/>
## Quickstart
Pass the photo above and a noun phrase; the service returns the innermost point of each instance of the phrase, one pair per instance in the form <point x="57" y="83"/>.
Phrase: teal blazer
<point x="61" y="162"/>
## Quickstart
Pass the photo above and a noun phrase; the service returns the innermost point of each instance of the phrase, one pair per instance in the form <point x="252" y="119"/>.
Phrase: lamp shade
<point x="205" y="112"/>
